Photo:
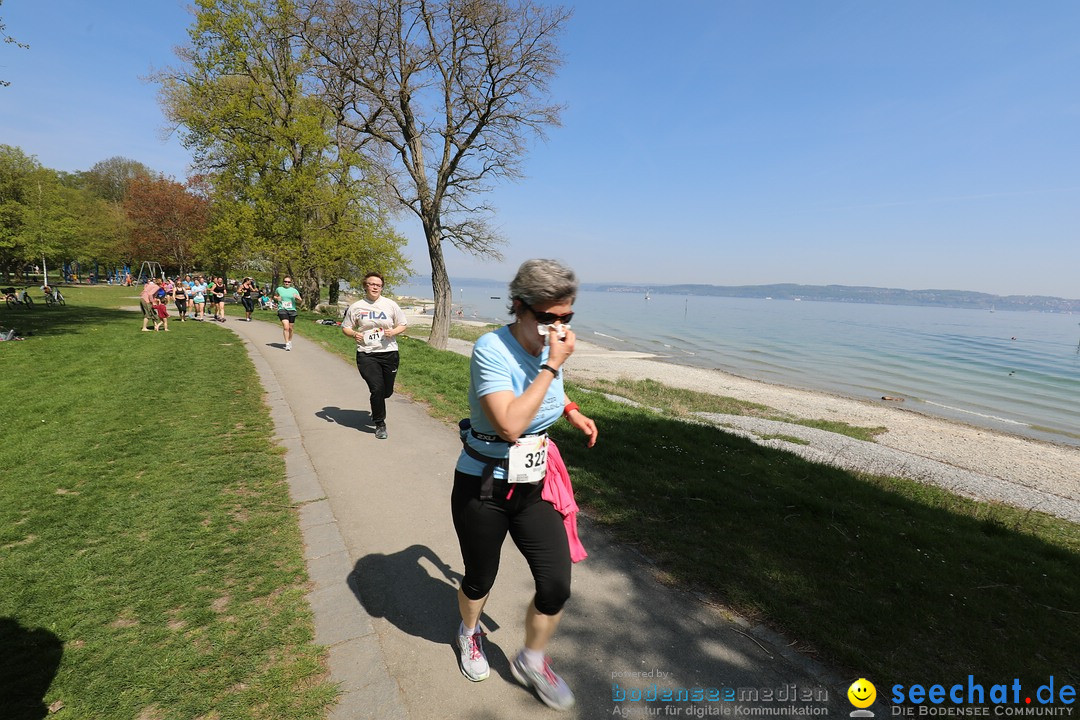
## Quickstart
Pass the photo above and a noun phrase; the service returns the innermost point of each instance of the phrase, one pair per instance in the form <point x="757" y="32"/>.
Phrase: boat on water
<point x="647" y="295"/>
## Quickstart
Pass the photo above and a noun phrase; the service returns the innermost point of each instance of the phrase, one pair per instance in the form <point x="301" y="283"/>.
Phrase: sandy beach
<point x="972" y="461"/>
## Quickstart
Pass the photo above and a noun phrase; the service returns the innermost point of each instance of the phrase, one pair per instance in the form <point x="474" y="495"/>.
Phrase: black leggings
<point x="379" y="371"/>
<point x="181" y="305"/>
<point x="249" y="304"/>
<point x="535" y="526"/>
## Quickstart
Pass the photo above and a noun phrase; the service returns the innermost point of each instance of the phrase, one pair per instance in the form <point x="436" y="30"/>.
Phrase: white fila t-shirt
<point x="370" y="319"/>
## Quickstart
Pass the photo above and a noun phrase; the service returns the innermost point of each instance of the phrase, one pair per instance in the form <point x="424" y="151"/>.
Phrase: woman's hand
<point x="585" y="424"/>
<point x="560" y="349"/>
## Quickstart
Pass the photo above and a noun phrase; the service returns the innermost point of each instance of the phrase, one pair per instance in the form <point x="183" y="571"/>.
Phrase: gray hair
<point x="543" y="281"/>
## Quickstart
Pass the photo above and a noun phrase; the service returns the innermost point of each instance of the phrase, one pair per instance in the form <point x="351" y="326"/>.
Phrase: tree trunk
<point x="334" y="292"/>
<point x="309" y="287"/>
<point x="440" y="287"/>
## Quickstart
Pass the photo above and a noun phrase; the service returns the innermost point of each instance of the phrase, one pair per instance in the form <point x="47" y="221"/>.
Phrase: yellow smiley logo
<point x="862" y="693"/>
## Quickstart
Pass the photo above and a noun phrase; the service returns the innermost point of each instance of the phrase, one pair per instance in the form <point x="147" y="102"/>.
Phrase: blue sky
<point x="916" y="144"/>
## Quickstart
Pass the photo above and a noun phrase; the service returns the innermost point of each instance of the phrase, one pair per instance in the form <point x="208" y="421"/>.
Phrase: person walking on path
<point x="288" y="299"/>
<point x="247" y="297"/>
<point x="374" y="321"/>
<point x="146" y="303"/>
<point x="515" y="394"/>
<point x="198" y="297"/>
<point x="217" y="292"/>
<point x="180" y="298"/>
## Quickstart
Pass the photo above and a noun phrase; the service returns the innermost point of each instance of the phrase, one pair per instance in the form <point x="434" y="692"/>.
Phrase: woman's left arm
<point x="581" y="421"/>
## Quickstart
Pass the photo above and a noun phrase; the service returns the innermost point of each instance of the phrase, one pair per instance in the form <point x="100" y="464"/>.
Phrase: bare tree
<point x="9" y="41"/>
<point x="442" y="96"/>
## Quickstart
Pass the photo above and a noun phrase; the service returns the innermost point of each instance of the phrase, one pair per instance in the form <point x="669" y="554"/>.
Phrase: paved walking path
<point x="384" y="565"/>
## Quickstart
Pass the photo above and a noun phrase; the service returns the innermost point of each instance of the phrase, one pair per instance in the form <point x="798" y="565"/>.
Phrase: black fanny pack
<point x="487" y="476"/>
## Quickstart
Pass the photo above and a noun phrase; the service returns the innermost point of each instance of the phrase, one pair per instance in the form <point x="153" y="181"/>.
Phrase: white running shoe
<point x="473" y="662"/>
<point x="551" y="688"/>
<point x="288" y="345"/>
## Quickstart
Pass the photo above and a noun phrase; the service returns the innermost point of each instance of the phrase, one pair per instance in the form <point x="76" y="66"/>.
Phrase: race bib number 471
<point x="528" y="460"/>
<point x="373" y="338"/>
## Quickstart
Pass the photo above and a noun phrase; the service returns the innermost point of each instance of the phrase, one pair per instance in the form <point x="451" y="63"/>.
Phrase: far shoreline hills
<point x="832" y="293"/>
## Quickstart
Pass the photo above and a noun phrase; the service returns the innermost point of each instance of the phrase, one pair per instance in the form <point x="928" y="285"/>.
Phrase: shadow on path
<point x="400" y="588"/>
<point x="27" y="666"/>
<point x="356" y="419"/>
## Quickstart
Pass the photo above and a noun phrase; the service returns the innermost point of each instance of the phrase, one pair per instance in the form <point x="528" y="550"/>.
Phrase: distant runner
<point x="288" y="299"/>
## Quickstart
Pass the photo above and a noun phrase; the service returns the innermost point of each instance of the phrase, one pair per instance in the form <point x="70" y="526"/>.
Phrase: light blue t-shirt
<point x="500" y="363"/>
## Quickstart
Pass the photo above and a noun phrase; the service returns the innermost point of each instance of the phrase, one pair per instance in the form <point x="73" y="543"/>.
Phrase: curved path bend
<point x="384" y="566"/>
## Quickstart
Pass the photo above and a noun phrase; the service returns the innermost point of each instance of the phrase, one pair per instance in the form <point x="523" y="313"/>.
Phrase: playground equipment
<point x="149" y="269"/>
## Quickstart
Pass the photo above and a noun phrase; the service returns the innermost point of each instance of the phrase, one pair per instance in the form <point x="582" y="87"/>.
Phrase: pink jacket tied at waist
<point x="559" y="492"/>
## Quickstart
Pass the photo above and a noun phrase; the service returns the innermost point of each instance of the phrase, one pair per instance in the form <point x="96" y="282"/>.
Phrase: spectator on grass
<point x="162" y="311"/>
<point x="146" y="302"/>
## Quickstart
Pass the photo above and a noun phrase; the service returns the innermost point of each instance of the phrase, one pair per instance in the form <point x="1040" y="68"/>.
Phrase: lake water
<point x="1012" y="371"/>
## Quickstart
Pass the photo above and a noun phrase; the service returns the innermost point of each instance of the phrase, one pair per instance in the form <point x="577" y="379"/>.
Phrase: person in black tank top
<point x="180" y="298"/>
<point x="247" y="297"/>
<point x="218" y="292"/>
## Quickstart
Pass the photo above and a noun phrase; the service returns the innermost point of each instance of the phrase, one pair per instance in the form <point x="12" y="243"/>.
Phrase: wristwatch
<point x="553" y="371"/>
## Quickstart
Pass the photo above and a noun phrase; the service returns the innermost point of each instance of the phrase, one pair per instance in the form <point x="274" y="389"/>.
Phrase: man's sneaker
<point x="551" y="688"/>
<point x="288" y="345"/>
<point x="474" y="664"/>
<point x="380" y="434"/>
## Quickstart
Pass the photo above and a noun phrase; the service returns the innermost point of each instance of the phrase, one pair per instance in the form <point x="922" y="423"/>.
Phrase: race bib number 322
<point x="528" y="460"/>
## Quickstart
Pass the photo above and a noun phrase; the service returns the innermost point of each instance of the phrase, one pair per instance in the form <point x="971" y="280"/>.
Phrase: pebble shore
<point x="971" y="461"/>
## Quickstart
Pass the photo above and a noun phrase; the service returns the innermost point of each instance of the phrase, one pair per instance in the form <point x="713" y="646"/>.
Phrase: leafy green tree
<point x="51" y="232"/>
<point x="37" y="220"/>
<point x="109" y="179"/>
<point x="103" y="231"/>
<point x="16" y="167"/>
<point x="53" y="217"/>
<point x="282" y="188"/>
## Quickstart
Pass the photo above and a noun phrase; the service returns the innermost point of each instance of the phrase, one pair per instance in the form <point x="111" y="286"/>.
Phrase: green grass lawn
<point x="881" y="577"/>
<point x="150" y="562"/>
